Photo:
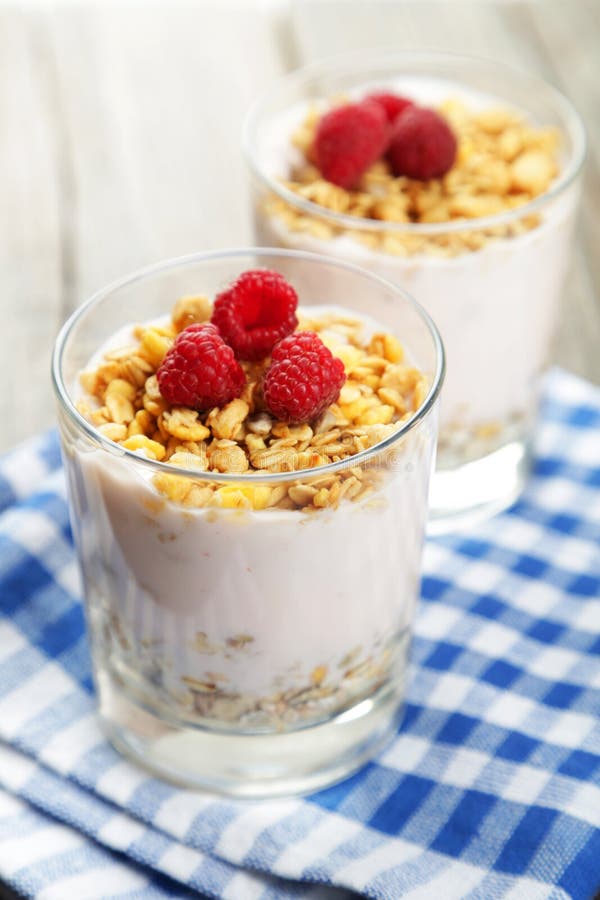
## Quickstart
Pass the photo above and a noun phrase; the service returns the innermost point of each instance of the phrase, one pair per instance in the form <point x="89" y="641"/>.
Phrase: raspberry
<point x="200" y="370"/>
<point x="422" y="144"/>
<point x="255" y="312"/>
<point x="304" y="378"/>
<point x="348" y="140"/>
<point x="393" y="104"/>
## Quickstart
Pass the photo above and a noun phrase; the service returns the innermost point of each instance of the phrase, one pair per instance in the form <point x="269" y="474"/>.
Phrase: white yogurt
<point x="217" y="612"/>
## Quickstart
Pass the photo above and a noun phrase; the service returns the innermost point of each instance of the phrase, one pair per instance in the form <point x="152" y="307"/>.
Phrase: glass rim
<point x="348" y="62"/>
<point x="255" y="477"/>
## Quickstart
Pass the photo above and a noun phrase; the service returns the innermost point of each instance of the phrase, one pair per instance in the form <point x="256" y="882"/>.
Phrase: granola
<point x="295" y="697"/>
<point x="503" y="163"/>
<point x="382" y="391"/>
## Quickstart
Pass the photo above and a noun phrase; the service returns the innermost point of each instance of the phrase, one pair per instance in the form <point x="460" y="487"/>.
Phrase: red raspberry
<point x="304" y="378"/>
<point x="200" y="370"/>
<point x="422" y="144"/>
<point x="348" y="140"/>
<point x="255" y="312"/>
<point x="393" y="104"/>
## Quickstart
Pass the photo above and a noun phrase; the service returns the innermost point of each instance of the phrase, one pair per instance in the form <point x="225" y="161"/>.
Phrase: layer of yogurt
<point x="496" y="307"/>
<point x="235" y="614"/>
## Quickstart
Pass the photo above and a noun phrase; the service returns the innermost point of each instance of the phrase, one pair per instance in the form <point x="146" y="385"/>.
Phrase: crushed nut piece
<point x="225" y="422"/>
<point x="318" y="675"/>
<point x="183" y="423"/>
<point x="154" y="346"/>
<point x="140" y="442"/>
<point x="239" y="641"/>
<point x="113" y="431"/>
<point x="191" y="311"/>
<point x="260" y="424"/>
<point x="229" y="459"/>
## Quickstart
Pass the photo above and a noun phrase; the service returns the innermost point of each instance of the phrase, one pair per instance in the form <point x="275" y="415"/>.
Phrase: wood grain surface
<point x="120" y="130"/>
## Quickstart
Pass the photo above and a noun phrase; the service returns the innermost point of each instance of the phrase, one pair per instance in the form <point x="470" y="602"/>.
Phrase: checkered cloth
<point x="491" y="788"/>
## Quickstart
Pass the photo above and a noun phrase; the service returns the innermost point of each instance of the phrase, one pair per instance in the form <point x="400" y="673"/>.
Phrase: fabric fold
<point x="492" y="785"/>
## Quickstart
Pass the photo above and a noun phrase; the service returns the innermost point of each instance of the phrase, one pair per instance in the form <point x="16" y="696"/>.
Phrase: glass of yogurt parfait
<point x="473" y="216"/>
<point x="248" y="439"/>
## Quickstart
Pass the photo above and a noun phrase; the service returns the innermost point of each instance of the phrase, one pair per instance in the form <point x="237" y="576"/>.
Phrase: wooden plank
<point x="463" y="26"/>
<point x="154" y="101"/>
<point x="121" y="146"/>
<point x="30" y="233"/>
<point x="568" y="37"/>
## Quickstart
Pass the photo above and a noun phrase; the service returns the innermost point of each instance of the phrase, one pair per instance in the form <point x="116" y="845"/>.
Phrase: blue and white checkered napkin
<point x="491" y="788"/>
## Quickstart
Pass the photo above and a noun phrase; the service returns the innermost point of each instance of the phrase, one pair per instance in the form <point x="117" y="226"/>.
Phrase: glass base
<point x="467" y="494"/>
<point x="251" y="766"/>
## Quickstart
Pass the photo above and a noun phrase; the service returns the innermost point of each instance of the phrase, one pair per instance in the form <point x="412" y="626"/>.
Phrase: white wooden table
<point x="119" y="141"/>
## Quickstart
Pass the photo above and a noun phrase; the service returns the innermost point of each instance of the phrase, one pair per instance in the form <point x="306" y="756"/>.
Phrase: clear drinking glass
<point x="495" y="301"/>
<point x="254" y="652"/>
